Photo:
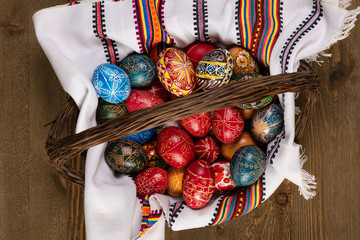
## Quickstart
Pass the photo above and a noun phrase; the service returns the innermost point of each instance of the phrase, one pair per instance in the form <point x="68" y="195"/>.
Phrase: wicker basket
<point x="62" y="150"/>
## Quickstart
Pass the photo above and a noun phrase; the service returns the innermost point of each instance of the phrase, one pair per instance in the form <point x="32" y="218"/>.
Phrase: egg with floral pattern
<point x="223" y="180"/>
<point x="227" y="124"/>
<point x="125" y="156"/>
<point x="267" y="123"/>
<point x="140" y="69"/>
<point x="151" y="180"/>
<point x="247" y="165"/>
<point x="215" y="69"/>
<point x="244" y="62"/>
<point x="111" y="83"/>
<point x="175" y="147"/>
<point x="176" y="72"/>
<point x="198" y="184"/>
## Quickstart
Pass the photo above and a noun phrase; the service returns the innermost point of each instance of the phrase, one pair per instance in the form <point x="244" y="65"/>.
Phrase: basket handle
<point x="62" y="150"/>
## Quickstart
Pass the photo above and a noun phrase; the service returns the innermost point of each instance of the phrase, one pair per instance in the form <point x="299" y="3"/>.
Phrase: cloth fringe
<point x="308" y="181"/>
<point x="347" y="25"/>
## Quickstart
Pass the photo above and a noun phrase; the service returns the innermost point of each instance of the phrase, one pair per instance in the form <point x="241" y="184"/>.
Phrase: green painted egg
<point x="107" y="111"/>
<point x="125" y="156"/>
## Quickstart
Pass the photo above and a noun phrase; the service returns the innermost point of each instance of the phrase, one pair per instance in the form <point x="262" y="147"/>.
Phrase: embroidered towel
<point x="78" y="37"/>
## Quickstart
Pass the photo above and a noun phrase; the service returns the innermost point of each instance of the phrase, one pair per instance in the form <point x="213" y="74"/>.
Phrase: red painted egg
<point x="158" y="89"/>
<point x="227" y="124"/>
<point x="176" y="72"/>
<point x="207" y="149"/>
<point x="198" y="50"/>
<point x="175" y="147"/>
<point x="223" y="180"/>
<point x="197" y="125"/>
<point x="198" y="184"/>
<point x="141" y="99"/>
<point x="150" y="181"/>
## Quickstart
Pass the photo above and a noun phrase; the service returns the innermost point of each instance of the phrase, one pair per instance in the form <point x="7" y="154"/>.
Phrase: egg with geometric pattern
<point x="247" y="165"/>
<point x="111" y="83"/>
<point x="151" y="180"/>
<point x="107" y="111"/>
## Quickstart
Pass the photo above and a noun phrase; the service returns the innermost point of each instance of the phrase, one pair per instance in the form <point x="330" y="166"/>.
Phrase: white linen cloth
<point x="66" y="34"/>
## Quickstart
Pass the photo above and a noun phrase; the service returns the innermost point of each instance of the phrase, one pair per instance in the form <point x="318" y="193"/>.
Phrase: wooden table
<point x="35" y="205"/>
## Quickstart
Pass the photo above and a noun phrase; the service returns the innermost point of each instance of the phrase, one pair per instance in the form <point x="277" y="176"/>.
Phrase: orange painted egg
<point x="197" y="125"/>
<point x="150" y="181"/>
<point x="198" y="184"/>
<point x="176" y="72"/>
<point x="175" y="147"/>
<point x="175" y="181"/>
<point x="207" y="149"/>
<point x="246" y="113"/>
<point x="227" y="124"/>
<point x="228" y="150"/>
<point x="140" y="99"/>
<point x="244" y="62"/>
<point x="223" y="180"/>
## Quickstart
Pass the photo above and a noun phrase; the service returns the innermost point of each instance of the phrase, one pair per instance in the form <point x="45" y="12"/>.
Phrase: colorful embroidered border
<point x="110" y="48"/>
<point x="308" y="24"/>
<point x="149" y="29"/>
<point x="258" y="24"/>
<point x="149" y="218"/>
<point x="200" y="14"/>
<point x="245" y="200"/>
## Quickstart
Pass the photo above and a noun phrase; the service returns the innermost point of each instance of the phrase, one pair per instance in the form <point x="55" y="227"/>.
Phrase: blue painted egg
<point x="140" y="69"/>
<point x="111" y="83"/>
<point x="215" y="69"/>
<point x="247" y="165"/>
<point x="141" y="137"/>
<point x="267" y="123"/>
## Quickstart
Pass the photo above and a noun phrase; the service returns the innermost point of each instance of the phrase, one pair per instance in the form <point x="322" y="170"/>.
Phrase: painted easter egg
<point x="125" y="156"/>
<point x="227" y="124"/>
<point x="140" y="99"/>
<point x="175" y="147"/>
<point x="155" y="51"/>
<point x="244" y="62"/>
<point x="223" y="180"/>
<point x="141" y="137"/>
<point x="176" y="72"/>
<point x="158" y="89"/>
<point x="207" y="149"/>
<point x="228" y="149"/>
<point x="247" y="165"/>
<point x="175" y="181"/>
<point x="198" y="184"/>
<point x="257" y="104"/>
<point x="215" y="69"/>
<point x="197" y="125"/>
<point x="151" y="180"/>
<point x="106" y="111"/>
<point x="154" y="159"/>
<point x="267" y="123"/>
<point x="140" y="69"/>
<point x="246" y="113"/>
<point x="111" y="83"/>
<point x="197" y="51"/>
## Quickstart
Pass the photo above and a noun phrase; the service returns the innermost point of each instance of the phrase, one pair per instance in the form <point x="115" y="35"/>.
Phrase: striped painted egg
<point x="125" y="156"/>
<point x="215" y="69"/>
<point x="267" y="123"/>
<point x="111" y="83"/>
<point x="176" y="72"/>
<point x="196" y="51"/>
<point x="247" y="165"/>
<point x="140" y="69"/>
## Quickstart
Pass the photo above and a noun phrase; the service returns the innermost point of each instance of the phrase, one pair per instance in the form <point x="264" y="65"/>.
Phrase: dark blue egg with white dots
<point x="141" y="137"/>
<point x="140" y="69"/>
<point x="247" y="165"/>
<point x="111" y="83"/>
<point x="267" y="123"/>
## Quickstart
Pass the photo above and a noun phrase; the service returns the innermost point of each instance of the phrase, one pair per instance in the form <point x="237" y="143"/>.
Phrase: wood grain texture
<point x="35" y="205"/>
